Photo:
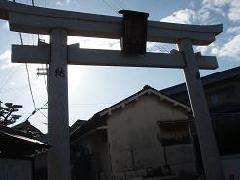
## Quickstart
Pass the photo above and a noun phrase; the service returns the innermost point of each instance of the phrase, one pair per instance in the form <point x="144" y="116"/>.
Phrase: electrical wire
<point x="30" y="87"/>
<point x="38" y="39"/>
<point x="156" y="45"/>
<point x="43" y="114"/>
<point x="21" y="39"/>
<point x="29" y="82"/>
<point x="8" y="77"/>
<point x="110" y="6"/>
<point x="26" y="67"/>
<point x="123" y="4"/>
<point x="36" y="110"/>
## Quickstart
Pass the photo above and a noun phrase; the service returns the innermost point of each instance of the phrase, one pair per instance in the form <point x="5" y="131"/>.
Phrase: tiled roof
<point x="206" y="80"/>
<point x="14" y="143"/>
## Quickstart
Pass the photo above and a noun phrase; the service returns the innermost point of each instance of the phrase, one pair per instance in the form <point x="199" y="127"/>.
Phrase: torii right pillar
<point x="209" y="151"/>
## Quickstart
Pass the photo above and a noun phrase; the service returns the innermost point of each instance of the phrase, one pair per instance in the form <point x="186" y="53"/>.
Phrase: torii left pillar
<point x="58" y="129"/>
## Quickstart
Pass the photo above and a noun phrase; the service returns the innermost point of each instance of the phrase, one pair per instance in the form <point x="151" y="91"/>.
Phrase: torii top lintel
<point x="37" y="20"/>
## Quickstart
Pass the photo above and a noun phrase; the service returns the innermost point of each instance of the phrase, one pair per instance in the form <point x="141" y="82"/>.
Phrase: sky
<point x="92" y="88"/>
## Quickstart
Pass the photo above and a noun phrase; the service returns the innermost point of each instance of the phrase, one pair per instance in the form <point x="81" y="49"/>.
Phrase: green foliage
<point x="7" y="115"/>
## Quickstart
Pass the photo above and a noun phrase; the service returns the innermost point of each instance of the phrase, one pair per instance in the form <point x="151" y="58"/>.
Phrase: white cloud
<point x="59" y="3"/>
<point x="184" y="16"/>
<point x="231" y="49"/>
<point x="209" y="14"/>
<point x="232" y="7"/>
<point x="204" y="15"/>
<point x="202" y="49"/>
<point x="234" y="10"/>
<point x="5" y="55"/>
<point x="217" y="3"/>
<point x="234" y="30"/>
<point x="5" y="60"/>
<point x="12" y="83"/>
<point x="91" y="43"/>
<point x="45" y="38"/>
<point x="95" y="43"/>
<point x="206" y="50"/>
<point x="214" y="51"/>
<point x="62" y="2"/>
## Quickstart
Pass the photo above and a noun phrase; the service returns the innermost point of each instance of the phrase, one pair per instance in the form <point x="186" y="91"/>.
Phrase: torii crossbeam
<point x="60" y="24"/>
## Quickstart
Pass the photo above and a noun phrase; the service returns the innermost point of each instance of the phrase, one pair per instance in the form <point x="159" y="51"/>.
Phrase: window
<point x="174" y="132"/>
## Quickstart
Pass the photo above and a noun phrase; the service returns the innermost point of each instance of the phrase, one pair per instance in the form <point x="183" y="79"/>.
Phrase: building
<point x="31" y="131"/>
<point x="145" y="136"/>
<point x="222" y="91"/>
<point x="40" y="159"/>
<point x="17" y="154"/>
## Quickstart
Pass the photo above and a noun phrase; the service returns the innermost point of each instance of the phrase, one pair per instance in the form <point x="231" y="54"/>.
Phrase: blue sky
<point x="94" y="88"/>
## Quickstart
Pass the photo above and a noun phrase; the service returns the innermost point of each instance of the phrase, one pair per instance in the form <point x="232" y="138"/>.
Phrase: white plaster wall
<point x="11" y="169"/>
<point x="133" y="131"/>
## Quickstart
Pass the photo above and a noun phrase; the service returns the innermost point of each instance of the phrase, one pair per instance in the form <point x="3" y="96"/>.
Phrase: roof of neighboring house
<point x="14" y="143"/>
<point x="29" y="129"/>
<point x="98" y="119"/>
<point x="26" y="124"/>
<point x="76" y="125"/>
<point x="206" y="80"/>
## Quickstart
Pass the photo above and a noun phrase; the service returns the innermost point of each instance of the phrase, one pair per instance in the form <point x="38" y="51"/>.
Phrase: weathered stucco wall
<point x="90" y="157"/>
<point x="133" y="137"/>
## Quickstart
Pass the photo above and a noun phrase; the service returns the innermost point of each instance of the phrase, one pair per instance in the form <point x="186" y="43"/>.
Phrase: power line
<point x="123" y="3"/>
<point x="156" y="45"/>
<point x="110" y="6"/>
<point x="91" y="104"/>
<point x="28" y="78"/>
<point x="36" y="110"/>
<point x="8" y="77"/>
<point x="21" y="40"/>
<point x="26" y="67"/>
<point x="30" y="88"/>
<point x="43" y="114"/>
<point x="38" y="37"/>
<point x="161" y="49"/>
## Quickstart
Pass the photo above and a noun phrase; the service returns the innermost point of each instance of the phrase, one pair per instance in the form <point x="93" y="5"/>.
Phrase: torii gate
<point x="59" y="24"/>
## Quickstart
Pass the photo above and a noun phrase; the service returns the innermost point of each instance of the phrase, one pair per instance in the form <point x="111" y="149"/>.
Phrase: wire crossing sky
<point x="94" y="88"/>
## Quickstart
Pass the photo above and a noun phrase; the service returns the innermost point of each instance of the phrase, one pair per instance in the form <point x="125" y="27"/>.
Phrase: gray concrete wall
<point x="231" y="166"/>
<point x="133" y="137"/>
<point x="11" y="169"/>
